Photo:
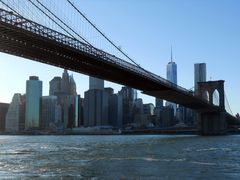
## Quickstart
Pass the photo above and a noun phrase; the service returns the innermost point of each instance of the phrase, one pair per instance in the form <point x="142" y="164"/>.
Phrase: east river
<point x="120" y="157"/>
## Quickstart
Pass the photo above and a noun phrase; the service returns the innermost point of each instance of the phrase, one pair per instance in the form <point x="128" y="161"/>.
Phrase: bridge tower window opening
<point x="215" y="98"/>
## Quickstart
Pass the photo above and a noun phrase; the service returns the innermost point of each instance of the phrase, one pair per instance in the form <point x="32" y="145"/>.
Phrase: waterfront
<point x="120" y="157"/>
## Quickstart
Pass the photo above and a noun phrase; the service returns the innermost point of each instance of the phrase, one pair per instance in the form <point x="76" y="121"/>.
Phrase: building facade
<point x="96" y="108"/>
<point x="49" y="117"/>
<point x="200" y="74"/>
<point x="16" y="114"/>
<point x="33" y="95"/>
<point x="55" y="86"/>
<point x="172" y="77"/>
<point x="115" y="110"/>
<point x="158" y="102"/>
<point x="3" y="113"/>
<point x="96" y="83"/>
<point x="129" y="96"/>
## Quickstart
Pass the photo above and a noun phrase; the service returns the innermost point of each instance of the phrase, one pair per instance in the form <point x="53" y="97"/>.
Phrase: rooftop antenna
<point x="171" y="54"/>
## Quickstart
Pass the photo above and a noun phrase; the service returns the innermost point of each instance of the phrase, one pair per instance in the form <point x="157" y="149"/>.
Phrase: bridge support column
<point x="212" y="123"/>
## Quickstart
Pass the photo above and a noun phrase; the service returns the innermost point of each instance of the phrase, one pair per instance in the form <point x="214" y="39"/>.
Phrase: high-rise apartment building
<point x="33" y="94"/>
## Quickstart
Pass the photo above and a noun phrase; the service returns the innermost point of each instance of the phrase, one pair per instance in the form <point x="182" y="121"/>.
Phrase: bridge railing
<point x="28" y="25"/>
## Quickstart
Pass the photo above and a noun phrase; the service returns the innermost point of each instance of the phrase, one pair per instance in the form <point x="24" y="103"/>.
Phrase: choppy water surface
<point x="119" y="157"/>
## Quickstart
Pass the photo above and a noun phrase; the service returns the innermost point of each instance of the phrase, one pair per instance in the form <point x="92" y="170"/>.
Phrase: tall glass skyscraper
<point x="33" y="94"/>
<point x="172" y="71"/>
<point x="172" y="77"/>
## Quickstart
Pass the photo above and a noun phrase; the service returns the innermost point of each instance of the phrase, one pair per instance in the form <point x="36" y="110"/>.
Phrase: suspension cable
<point x="228" y="103"/>
<point x="111" y="42"/>
<point x="13" y="10"/>
<point x="51" y="18"/>
<point x="63" y="23"/>
<point x="10" y="8"/>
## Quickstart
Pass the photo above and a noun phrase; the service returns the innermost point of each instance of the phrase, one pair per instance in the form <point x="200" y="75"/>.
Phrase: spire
<point x="171" y="54"/>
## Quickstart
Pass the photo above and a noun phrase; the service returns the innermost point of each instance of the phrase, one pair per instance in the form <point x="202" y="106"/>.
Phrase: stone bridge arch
<point x="210" y="87"/>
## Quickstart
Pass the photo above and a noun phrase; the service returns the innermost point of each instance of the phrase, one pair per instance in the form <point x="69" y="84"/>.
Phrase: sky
<point x="198" y="30"/>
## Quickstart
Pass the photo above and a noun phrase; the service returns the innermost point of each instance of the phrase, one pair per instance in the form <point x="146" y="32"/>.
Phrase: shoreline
<point x="124" y="132"/>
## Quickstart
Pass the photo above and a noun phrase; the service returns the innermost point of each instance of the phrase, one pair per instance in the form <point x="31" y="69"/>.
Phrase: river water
<point x="119" y="157"/>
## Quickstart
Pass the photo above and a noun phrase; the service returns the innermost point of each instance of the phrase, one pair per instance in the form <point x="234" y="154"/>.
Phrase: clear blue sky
<point x="199" y="31"/>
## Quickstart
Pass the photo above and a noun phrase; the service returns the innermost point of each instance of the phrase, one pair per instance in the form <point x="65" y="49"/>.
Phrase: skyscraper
<point x="72" y="88"/>
<point x="95" y="83"/>
<point x="33" y="94"/>
<point x="172" y="77"/>
<point x="65" y="84"/>
<point x="68" y="85"/>
<point x="62" y="86"/>
<point x="96" y="107"/>
<point x="48" y="111"/>
<point x="55" y="86"/>
<point x="3" y="112"/>
<point x="129" y="97"/>
<point x="65" y="89"/>
<point x="199" y="74"/>
<point x="158" y="103"/>
<point x="172" y="70"/>
<point x="96" y="103"/>
<point x="15" y="114"/>
<point x="115" y="110"/>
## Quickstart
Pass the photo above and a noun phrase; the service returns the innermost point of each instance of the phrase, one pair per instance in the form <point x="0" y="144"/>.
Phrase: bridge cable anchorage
<point x="111" y="42"/>
<point x="64" y="23"/>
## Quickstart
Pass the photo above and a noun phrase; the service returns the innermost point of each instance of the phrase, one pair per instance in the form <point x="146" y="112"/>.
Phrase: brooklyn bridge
<point x="53" y="41"/>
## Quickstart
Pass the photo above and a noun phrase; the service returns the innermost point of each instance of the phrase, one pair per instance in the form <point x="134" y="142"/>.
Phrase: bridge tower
<point x="212" y="122"/>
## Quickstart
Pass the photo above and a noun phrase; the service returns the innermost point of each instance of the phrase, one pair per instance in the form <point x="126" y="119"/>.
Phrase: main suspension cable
<point x="111" y="42"/>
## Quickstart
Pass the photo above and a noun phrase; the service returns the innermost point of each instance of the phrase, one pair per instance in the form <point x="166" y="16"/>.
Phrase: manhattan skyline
<point x="199" y="32"/>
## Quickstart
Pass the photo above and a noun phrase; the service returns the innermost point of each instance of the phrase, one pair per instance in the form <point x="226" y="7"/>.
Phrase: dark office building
<point x="129" y="96"/>
<point x="3" y="112"/>
<point x="115" y="110"/>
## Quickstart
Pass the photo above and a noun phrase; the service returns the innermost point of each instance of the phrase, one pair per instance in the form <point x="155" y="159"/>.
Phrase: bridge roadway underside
<point x="29" y="45"/>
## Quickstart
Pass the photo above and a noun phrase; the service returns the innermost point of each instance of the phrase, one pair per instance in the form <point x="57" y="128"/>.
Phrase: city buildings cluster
<point x="63" y="108"/>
